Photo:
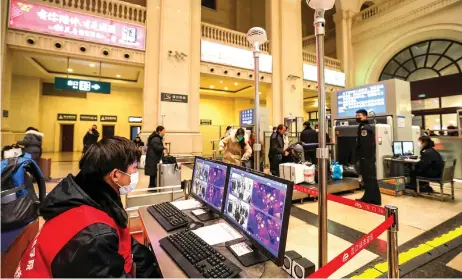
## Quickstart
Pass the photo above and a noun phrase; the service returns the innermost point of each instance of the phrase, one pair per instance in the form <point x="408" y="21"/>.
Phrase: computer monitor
<point x="397" y="148"/>
<point x="408" y="148"/>
<point x="208" y="186"/>
<point x="258" y="205"/>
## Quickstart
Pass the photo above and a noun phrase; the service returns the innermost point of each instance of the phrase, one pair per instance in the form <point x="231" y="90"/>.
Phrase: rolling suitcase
<point x="168" y="175"/>
<point x="45" y="167"/>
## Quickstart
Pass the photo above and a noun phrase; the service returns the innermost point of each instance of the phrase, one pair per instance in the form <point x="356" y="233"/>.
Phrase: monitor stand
<point x="205" y="216"/>
<point x="245" y="252"/>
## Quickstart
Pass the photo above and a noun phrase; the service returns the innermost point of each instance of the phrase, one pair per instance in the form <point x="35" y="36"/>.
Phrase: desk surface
<point x="402" y="160"/>
<point x="154" y="232"/>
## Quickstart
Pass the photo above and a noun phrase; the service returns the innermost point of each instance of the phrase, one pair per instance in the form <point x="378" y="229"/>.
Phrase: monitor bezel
<point x="196" y="197"/>
<point x="393" y="148"/>
<point x="285" y="219"/>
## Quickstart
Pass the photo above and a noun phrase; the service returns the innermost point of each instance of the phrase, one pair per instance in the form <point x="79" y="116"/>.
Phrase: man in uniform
<point x="365" y="155"/>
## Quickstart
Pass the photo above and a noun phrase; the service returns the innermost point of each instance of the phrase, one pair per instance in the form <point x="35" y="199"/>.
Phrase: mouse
<point x="195" y="225"/>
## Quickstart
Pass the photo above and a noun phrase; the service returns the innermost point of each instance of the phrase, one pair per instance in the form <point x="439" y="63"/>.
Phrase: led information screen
<point x="71" y="84"/>
<point x="247" y="117"/>
<point x="367" y="97"/>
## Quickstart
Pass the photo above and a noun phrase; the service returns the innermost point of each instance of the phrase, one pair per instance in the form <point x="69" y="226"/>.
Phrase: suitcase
<point x="45" y="167"/>
<point x="168" y="175"/>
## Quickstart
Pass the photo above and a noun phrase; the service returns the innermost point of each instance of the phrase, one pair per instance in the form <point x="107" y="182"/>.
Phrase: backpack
<point x="19" y="202"/>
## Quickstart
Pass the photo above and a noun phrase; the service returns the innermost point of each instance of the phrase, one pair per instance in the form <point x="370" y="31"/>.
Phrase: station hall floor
<point x="419" y="218"/>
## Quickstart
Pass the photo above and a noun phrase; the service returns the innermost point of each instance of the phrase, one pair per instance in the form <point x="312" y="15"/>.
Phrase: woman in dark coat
<point x="32" y="143"/>
<point x="155" y="146"/>
<point x="430" y="164"/>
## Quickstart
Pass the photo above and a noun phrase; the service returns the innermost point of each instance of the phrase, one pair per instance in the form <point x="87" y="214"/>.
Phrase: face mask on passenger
<point x="239" y="139"/>
<point x="134" y="178"/>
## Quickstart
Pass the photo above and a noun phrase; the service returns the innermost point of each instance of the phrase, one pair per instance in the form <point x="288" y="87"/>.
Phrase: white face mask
<point x="134" y="177"/>
<point x="317" y="130"/>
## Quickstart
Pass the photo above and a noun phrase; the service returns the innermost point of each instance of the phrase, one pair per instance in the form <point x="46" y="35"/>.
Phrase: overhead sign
<point x="366" y="97"/>
<point x="206" y="121"/>
<point x="38" y="18"/>
<point x="108" y="118"/>
<point x="88" y="117"/>
<point x="175" y="98"/>
<point x="247" y="117"/>
<point x="232" y="56"/>
<point x="72" y="84"/>
<point x="67" y="117"/>
<point x="135" y="119"/>
<point x="310" y="72"/>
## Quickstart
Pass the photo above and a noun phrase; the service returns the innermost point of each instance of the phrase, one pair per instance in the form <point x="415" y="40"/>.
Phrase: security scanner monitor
<point x="258" y="205"/>
<point x="398" y="149"/>
<point x="408" y="148"/>
<point x="208" y="186"/>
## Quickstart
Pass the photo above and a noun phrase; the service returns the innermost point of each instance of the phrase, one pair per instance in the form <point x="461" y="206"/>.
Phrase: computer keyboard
<point x="196" y="258"/>
<point x="168" y="216"/>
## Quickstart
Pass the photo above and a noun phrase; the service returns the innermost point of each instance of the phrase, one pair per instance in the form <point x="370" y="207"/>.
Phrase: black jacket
<point x="154" y="153"/>
<point x="90" y="139"/>
<point x="139" y="143"/>
<point x="276" y="146"/>
<point x="365" y="143"/>
<point x="93" y="252"/>
<point x="430" y="164"/>
<point x="32" y="143"/>
<point x="309" y="136"/>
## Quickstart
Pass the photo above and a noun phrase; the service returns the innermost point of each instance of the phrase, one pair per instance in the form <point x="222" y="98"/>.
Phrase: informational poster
<point x="401" y="122"/>
<point x="366" y="97"/>
<point x="247" y="117"/>
<point x="173" y="98"/>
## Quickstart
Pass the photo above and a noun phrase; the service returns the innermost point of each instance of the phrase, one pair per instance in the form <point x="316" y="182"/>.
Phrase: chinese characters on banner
<point x="57" y="22"/>
<point x="367" y="97"/>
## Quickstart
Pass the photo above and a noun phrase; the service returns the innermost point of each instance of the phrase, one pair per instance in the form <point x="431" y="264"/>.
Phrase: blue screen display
<point x="247" y="117"/>
<point x="209" y="182"/>
<point x="256" y="205"/>
<point x="367" y="97"/>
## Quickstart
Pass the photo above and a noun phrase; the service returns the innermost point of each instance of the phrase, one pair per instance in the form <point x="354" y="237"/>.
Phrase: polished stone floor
<point x="416" y="216"/>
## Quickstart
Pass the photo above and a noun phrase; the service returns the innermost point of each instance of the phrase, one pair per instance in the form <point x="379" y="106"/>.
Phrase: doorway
<point x="134" y="132"/>
<point x="108" y="131"/>
<point x="67" y="138"/>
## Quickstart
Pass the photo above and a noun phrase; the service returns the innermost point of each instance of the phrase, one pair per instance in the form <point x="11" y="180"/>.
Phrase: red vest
<point x="57" y="232"/>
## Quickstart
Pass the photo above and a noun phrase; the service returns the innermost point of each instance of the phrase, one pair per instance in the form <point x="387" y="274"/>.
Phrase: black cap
<point x="362" y="111"/>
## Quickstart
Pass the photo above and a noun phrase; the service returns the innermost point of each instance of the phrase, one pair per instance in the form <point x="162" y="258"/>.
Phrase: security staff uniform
<point x="365" y="154"/>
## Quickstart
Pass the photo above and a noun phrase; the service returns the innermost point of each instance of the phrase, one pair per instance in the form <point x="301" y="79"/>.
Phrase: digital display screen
<point x="397" y="148"/>
<point x="209" y="182"/>
<point x="256" y="205"/>
<point x="408" y="148"/>
<point x="247" y="117"/>
<point x="367" y="97"/>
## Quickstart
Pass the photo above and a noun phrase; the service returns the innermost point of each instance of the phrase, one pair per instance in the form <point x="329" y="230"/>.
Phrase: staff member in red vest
<point x="86" y="233"/>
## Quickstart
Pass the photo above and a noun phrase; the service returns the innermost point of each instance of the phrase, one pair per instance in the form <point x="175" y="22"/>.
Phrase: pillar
<point x="343" y="23"/>
<point x="6" y="73"/>
<point x="285" y="35"/>
<point x="173" y="28"/>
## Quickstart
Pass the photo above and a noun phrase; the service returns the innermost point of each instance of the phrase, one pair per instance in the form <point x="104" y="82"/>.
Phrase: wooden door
<point x="67" y="138"/>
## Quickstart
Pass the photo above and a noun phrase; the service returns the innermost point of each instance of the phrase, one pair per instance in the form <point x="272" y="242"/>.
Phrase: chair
<point x="449" y="168"/>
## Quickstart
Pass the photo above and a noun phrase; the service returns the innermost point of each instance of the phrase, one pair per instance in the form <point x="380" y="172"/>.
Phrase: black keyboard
<point x="168" y="216"/>
<point x="196" y="258"/>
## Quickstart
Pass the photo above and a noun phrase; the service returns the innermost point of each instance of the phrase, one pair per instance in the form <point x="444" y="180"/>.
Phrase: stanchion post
<point x="392" y="242"/>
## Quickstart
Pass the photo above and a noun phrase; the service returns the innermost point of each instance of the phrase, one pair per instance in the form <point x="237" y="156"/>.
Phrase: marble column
<point x="6" y="73"/>
<point x="285" y="35"/>
<point x="173" y="66"/>
<point x="343" y="22"/>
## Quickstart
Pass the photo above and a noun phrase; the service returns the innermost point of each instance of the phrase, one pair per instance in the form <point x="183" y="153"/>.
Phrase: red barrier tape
<point x="356" y="204"/>
<point x="352" y="251"/>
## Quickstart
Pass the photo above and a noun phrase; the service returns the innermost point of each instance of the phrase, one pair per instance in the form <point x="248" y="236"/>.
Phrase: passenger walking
<point x="277" y="151"/>
<point x="155" y="152"/>
<point x="32" y="143"/>
<point x="90" y="138"/>
<point x="235" y="147"/>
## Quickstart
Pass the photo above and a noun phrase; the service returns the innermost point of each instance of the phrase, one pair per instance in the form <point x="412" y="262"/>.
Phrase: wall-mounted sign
<point x="232" y="56"/>
<point x="67" y="117"/>
<point x="206" y="121"/>
<point x="38" y="18"/>
<point x="175" y="98"/>
<point x="310" y="72"/>
<point x="365" y="97"/>
<point x="108" y="118"/>
<point x="247" y="117"/>
<point x="135" y="119"/>
<point x="88" y="117"/>
<point x="72" y="84"/>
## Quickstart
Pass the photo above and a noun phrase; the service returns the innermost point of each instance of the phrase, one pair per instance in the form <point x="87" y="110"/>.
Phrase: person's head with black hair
<point x="240" y="137"/>
<point x="281" y="129"/>
<point x="361" y="115"/>
<point x="94" y="127"/>
<point x="228" y="128"/>
<point x="275" y="129"/>
<point x="160" y="130"/>
<point x="137" y="139"/>
<point x="307" y="125"/>
<point x="31" y="129"/>
<point x="426" y="142"/>
<point x="114" y="160"/>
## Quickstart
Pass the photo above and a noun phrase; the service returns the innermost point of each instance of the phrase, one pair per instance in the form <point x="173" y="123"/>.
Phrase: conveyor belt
<point x="333" y="186"/>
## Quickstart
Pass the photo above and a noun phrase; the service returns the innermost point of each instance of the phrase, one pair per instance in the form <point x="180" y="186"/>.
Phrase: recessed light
<point x="117" y="76"/>
<point x="221" y="81"/>
<point x="211" y="86"/>
<point x="70" y="70"/>
<point x="236" y="84"/>
<point x="226" y="88"/>
<point x="259" y="93"/>
<point x="92" y="65"/>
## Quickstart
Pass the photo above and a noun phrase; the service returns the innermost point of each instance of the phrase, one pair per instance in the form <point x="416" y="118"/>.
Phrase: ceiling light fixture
<point x="221" y="81"/>
<point x="236" y="84"/>
<point x="117" y="76"/>
<point x="92" y="65"/>
<point x="226" y="88"/>
<point x="211" y="86"/>
<point x="70" y="70"/>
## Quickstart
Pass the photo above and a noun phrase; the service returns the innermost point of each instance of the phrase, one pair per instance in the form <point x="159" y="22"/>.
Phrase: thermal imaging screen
<point x="367" y="97"/>
<point x="256" y="205"/>
<point x="209" y="182"/>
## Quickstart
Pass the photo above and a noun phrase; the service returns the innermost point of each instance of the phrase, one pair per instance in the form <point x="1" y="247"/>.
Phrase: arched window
<point x="367" y="4"/>
<point x="428" y="59"/>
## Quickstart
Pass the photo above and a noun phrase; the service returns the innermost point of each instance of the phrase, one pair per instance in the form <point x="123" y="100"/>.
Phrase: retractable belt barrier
<point x="356" y="204"/>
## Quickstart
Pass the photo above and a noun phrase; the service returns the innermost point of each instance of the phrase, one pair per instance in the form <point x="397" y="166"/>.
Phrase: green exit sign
<point x="72" y="84"/>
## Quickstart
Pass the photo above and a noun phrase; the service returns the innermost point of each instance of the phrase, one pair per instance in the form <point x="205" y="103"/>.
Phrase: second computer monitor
<point x="408" y="148"/>
<point x="397" y="148"/>
<point x="259" y="206"/>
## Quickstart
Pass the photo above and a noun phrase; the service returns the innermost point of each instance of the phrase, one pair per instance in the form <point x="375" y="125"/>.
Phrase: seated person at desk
<point x="429" y="166"/>
<point x="85" y="232"/>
